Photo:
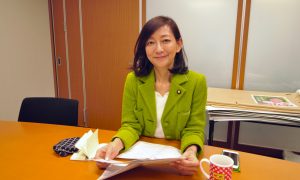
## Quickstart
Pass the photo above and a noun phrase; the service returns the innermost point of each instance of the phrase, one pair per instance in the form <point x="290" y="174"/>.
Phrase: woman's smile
<point x="161" y="57"/>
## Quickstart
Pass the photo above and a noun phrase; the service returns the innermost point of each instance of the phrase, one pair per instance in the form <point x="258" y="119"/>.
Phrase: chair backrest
<point x="49" y="110"/>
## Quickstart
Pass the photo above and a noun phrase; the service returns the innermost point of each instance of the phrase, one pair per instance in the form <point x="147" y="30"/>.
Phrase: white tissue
<point x="87" y="145"/>
<point x="298" y="92"/>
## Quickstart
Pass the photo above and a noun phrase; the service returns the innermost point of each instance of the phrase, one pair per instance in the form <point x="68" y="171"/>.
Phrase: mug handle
<point x="201" y="167"/>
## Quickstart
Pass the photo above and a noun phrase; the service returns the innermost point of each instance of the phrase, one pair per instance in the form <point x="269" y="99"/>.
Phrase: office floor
<point x="290" y="156"/>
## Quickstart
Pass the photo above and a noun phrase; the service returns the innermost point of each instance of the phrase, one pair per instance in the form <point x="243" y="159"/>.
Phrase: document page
<point x="145" y="150"/>
<point x="143" y="153"/>
<point x="114" y="169"/>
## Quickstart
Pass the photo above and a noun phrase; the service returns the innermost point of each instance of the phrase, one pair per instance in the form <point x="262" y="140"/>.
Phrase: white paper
<point x="144" y="154"/>
<point x="78" y="156"/>
<point x="230" y="114"/>
<point x="87" y="145"/>
<point x="80" y="143"/>
<point x="92" y="145"/>
<point x="144" y="150"/>
<point x="120" y="163"/>
<point x="115" y="168"/>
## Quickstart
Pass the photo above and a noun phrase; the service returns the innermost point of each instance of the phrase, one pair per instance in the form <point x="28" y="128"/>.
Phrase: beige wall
<point x="25" y="54"/>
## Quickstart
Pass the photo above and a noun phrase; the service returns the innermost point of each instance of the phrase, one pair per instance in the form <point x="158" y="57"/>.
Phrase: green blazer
<point x="183" y="117"/>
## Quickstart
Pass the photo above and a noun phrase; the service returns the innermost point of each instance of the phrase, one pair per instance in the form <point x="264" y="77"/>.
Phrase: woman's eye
<point x="149" y="43"/>
<point x="166" y="41"/>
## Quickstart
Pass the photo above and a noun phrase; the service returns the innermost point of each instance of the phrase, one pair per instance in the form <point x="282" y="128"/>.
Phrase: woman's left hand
<point x="189" y="164"/>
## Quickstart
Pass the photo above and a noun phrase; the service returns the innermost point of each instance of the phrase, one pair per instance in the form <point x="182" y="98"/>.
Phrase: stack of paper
<point x="144" y="154"/>
<point x="140" y="154"/>
<point x="144" y="150"/>
<point x="240" y="105"/>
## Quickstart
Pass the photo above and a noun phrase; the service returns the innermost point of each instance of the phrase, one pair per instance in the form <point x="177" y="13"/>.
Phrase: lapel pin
<point x="178" y="92"/>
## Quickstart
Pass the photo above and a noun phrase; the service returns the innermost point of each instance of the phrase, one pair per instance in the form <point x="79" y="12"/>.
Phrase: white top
<point x="160" y="106"/>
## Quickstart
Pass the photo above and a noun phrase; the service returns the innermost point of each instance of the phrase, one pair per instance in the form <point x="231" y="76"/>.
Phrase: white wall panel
<point x="273" y="64"/>
<point x="25" y="48"/>
<point x="273" y="56"/>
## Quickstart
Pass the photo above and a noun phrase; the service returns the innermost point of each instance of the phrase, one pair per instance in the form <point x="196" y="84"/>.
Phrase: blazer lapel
<point x="147" y="92"/>
<point x="175" y="93"/>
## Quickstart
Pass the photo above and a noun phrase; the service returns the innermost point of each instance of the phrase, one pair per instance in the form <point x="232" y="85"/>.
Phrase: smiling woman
<point x="162" y="47"/>
<point x="159" y="37"/>
<point x="162" y="98"/>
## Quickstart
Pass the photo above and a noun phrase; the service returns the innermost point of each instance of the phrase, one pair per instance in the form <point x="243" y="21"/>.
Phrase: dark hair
<point x="141" y="64"/>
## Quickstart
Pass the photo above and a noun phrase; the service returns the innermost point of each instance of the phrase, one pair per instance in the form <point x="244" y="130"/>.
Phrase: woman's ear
<point x="179" y="45"/>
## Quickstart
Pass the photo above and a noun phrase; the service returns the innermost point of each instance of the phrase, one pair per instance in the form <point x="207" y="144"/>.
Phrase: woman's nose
<point x="159" y="48"/>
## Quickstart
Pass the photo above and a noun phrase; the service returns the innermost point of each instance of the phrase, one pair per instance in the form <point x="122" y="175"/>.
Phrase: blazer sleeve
<point x="193" y="133"/>
<point x="131" y="128"/>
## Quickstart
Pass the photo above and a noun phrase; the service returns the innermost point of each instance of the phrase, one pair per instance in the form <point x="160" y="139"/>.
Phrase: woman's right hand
<point x="109" y="152"/>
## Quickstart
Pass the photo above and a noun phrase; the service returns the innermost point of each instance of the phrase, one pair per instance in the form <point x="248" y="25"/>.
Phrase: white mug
<point x="220" y="167"/>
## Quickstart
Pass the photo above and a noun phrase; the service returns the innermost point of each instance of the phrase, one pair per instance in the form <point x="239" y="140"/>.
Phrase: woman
<point x="162" y="98"/>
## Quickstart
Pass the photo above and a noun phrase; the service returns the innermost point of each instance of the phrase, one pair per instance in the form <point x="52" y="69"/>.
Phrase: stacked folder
<point x="241" y="105"/>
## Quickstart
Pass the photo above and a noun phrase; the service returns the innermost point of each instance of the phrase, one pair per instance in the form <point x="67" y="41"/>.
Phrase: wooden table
<point x="26" y="153"/>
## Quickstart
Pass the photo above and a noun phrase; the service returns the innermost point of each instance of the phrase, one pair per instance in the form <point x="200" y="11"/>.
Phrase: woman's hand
<point x="189" y="164"/>
<point x="109" y="152"/>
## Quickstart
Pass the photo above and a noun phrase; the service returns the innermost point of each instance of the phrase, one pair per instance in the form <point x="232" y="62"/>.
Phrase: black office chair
<point x="49" y="110"/>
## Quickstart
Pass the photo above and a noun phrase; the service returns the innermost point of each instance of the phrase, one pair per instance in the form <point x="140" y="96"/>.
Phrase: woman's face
<point x="162" y="47"/>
